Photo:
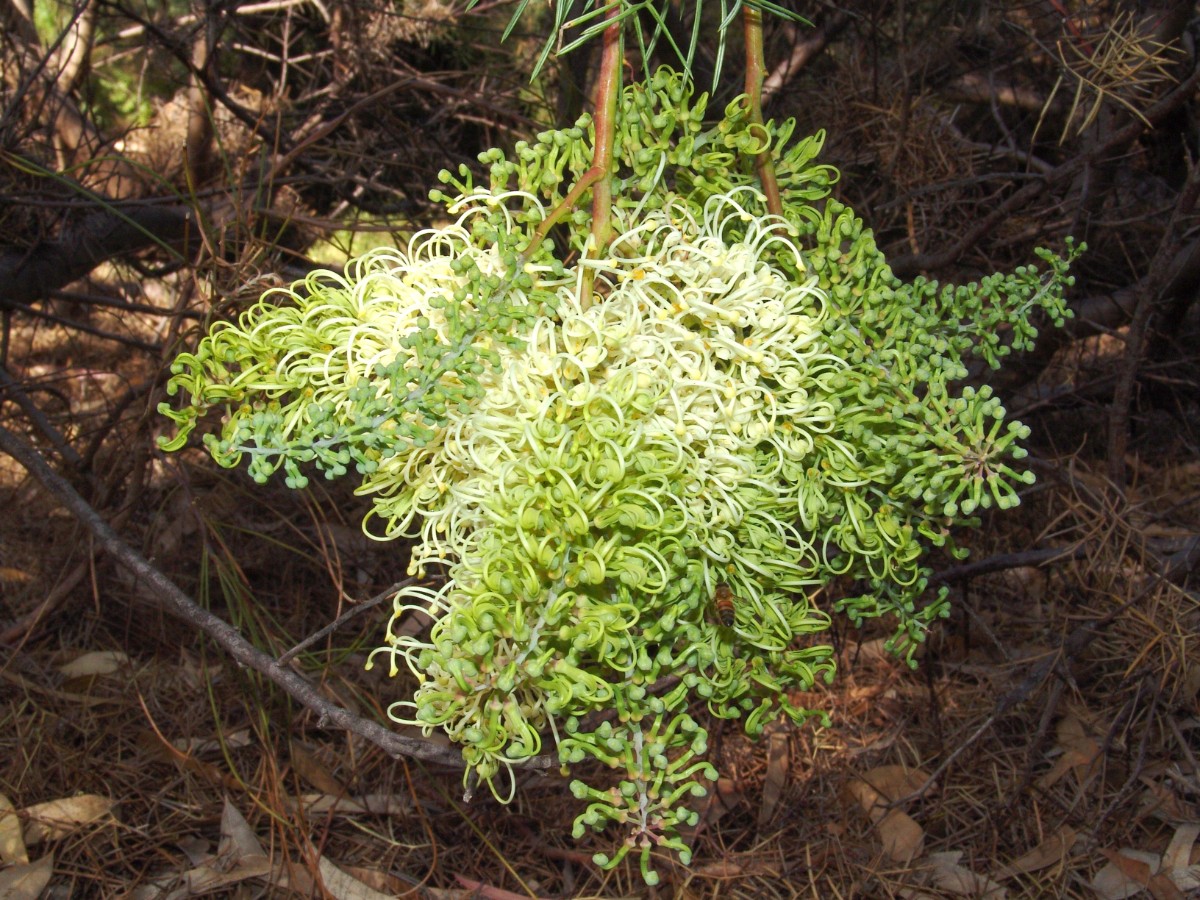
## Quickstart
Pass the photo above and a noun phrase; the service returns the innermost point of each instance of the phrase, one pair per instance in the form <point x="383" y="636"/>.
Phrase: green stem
<point x="755" y="69"/>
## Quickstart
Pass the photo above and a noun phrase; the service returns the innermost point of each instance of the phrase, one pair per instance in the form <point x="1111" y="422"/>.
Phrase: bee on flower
<point x="724" y="605"/>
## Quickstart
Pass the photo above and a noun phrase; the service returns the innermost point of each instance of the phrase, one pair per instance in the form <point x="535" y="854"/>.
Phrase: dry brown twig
<point x="803" y="52"/>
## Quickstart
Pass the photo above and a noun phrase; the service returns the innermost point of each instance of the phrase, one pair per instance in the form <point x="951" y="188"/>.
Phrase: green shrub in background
<point x="589" y="444"/>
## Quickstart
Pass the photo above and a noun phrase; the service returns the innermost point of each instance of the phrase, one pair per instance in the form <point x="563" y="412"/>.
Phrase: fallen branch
<point x="1068" y="652"/>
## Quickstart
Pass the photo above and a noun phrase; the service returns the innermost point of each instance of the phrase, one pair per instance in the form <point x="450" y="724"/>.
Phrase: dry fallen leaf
<point x="1162" y="801"/>
<point x="1177" y="858"/>
<point x="1127" y="873"/>
<point x="196" y="849"/>
<point x="342" y="886"/>
<point x="725" y="868"/>
<point x="1178" y="854"/>
<point x="875" y="789"/>
<point x="869" y="652"/>
<point x="1052" y="851"/>
<point x="238" y="841"/>
<point x="28" y="880"/>
<point x="373" y="804"/>
<point x="12" y="846"/>
<point x="775" y="781"/>
<point x="55" y="819"/>
<point x="1079" y="753"/>
<point x="9" y="575"/>
<point x="231" y="740"/>
<point x="486" y="891"/>
<point x="903" y="839"/>
<point x="721" y="798"/>
<point x="208" y="879"/>
<point x="98" y="662"/>
<point x="313" y="771"/>
<point x="381" y="881"/>
<point x="1162" y="888"/>
<point x="239" y="857"/>
<point x="950" y="876"/>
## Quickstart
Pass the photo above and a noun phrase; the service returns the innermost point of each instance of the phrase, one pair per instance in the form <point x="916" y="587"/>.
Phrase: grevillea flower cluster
<point x="590" y="446"/>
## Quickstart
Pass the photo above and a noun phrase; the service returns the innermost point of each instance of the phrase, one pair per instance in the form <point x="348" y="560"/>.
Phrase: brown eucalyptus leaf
<point x="97" y="662"/>
<point x="1127" y="873"/>
<point x="312" y="770"/>
<point x="27" y="880"/>
<point x="951" y="877"/>
<point x="55" y="819"/>
<point x="778" y="760"/>
<point x="486" y="891"/>
<point x="1162" y="888"/>
<point x="903" y="839"/>
<point x="343" y="886"/>
<point x="875" y="789"/>
<point x="1178" y="854"/>
<point x="1079" y="752"/>
<point x="1051" y="851"/>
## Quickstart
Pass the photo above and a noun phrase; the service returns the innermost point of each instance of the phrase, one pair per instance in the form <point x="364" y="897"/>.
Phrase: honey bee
<point x="723" y="605"/>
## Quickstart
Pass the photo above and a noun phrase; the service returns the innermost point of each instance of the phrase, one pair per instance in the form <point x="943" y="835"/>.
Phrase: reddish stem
<point x="608" y="87"/>
<point x="755" y="69"/>
<point x="598" y="177"/>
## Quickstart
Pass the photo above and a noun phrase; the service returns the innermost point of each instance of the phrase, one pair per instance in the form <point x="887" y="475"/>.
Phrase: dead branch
<point x="345" y="617"/>
<point x="1004" y="561"/>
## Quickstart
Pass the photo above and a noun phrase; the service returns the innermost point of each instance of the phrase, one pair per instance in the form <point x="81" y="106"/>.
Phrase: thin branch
<point x="80" y="326"/>
<point x="1069" y="650"/>
<point x="11" y="388"/>
<point x="345" y="617"/>
<point x="608" y="87"/>
<point x="20" y="629"/>
<point x="174" y="600"/>
<point x="1004" y="561"/>
<point x="27" y="275"/>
